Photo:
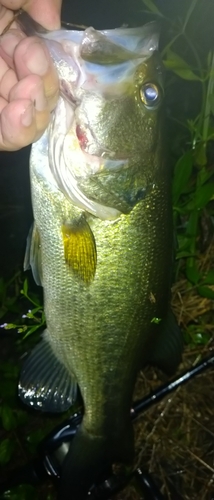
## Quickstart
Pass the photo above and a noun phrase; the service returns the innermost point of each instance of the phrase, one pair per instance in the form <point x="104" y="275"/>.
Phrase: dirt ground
<point x="175" y="439"/>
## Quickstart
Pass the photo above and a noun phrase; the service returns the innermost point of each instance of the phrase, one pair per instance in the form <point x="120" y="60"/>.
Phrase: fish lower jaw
<point x="90" y="160"/>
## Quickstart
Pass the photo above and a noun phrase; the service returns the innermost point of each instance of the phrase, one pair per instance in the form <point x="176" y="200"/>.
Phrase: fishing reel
<point x="51" y="453"/>
<point x="53" y="449"/>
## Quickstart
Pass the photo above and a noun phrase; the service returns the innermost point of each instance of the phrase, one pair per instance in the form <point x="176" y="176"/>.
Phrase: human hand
<point x="28" y="80"/>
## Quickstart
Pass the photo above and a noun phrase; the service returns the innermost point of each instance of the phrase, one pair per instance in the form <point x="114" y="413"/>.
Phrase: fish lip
<point x="89" y="145"/>
<point x="88" y="141"/>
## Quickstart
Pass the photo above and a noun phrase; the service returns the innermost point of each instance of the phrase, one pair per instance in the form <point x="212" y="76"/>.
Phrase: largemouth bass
<point x="102" y="242"/>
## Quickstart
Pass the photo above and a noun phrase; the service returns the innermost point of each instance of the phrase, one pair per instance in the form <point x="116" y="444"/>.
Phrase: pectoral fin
<point x="45" y="384"/>
<point x="80" y="249"/>
<point x="168" y="346"/>
<point x="33" y="254"/>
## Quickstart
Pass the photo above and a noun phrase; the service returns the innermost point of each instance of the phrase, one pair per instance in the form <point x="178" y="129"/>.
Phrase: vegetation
<point x="190" y="108"/>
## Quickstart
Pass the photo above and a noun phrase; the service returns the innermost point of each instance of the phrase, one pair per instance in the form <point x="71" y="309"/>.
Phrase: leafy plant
<point x="9" y="293"/>
<point x="193" y="183"/>
<point x="35" y="315"/>
<point x="16" y="440"/>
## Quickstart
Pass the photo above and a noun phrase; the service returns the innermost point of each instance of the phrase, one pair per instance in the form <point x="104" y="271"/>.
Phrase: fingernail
<point x="36" y="59"/>
<point x="40" y="101"/>
<point x="27" y="116"/>
<point x="9" y="42"/>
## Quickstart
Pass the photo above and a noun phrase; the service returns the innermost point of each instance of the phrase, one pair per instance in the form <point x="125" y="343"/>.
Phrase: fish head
<point x="111" y="141"/>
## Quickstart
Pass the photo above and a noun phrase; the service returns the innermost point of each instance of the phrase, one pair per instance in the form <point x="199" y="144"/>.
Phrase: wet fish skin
<point x="106" y="275"/>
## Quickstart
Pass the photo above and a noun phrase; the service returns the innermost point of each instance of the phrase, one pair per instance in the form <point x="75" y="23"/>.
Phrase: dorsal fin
<point x="97" y="48"/>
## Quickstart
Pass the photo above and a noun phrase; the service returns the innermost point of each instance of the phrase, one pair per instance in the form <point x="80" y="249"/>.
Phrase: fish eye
<point x="150" y="95"/>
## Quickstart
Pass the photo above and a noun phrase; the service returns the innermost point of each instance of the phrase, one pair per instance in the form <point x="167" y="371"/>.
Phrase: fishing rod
<point x="54" y="448"/>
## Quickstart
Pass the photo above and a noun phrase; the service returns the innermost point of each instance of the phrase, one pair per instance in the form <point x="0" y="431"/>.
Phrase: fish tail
<point x="88" y="458"/>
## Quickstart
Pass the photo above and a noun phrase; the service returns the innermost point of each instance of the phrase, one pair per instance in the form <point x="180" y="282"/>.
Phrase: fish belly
<point x="102" y="331"/>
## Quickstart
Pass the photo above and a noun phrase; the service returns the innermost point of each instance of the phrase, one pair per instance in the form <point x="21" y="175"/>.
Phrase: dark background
<point x="15" y="204"/>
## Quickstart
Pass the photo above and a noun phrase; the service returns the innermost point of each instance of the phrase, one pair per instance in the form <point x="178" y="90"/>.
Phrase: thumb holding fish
<point x="28" y="80"/>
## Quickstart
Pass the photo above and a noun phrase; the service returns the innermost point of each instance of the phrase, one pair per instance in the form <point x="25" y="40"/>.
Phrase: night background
<point x="179" y="450"/>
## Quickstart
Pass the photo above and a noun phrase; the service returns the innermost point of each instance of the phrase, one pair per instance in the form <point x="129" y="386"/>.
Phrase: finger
<point x="32" y="88"/>
<point x="23" y="120"/>
<point x="29" y="56"/>
<point x="17" y="125"/>
<point x="20" y="122"/>
<point x="47" y="12"/>
<point x="7" y="80"/>
<point x="6" y="17"/>
<point x="32" y="56"/>
<point x="8" y="44"/>
<point x="13" y="4"/>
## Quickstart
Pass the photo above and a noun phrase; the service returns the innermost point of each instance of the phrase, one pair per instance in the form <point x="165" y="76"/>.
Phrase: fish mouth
<point x="89" y="145"/>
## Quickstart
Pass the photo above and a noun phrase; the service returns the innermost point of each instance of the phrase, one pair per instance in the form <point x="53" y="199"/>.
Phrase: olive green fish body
<point x="102" y="242"/>
<point x="100" y="330"/>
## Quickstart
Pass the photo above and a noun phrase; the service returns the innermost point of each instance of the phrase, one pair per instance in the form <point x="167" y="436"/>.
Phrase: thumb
<point x="46" y="13"/>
